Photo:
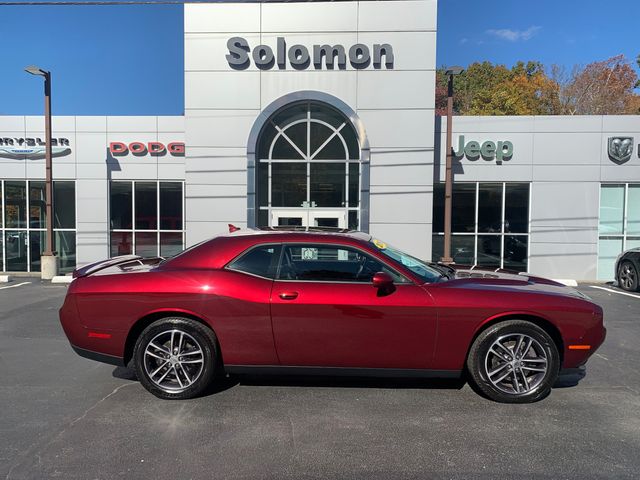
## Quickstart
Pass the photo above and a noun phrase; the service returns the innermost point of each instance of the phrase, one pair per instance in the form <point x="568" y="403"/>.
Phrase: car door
<point x="326" y="312"/>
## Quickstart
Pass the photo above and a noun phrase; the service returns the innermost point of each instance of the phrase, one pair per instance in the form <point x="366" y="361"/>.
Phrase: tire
<point x="628" y="276"/>
<point x="183" y="374"/>
<point x="486" y="368"/>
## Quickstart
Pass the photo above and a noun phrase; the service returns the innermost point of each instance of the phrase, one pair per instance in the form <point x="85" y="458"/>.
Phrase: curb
<point x="5" y="279"/>
<point x="62" y="279"/>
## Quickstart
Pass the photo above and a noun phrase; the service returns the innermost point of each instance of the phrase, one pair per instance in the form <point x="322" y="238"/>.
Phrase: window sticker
<point x="309" y="253"/>
<point x="381" y="245"/>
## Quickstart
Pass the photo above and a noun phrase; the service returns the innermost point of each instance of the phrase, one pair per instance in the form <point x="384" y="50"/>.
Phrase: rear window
<point x="261" y="261"/>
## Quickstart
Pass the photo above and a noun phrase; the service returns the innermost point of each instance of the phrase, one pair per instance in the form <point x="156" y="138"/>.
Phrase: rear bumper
<point x="99" y="357"/>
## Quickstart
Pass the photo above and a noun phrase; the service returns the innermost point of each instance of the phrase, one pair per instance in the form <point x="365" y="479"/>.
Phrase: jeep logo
<point x="489" y="150"/>
<point x="300" y="57"/>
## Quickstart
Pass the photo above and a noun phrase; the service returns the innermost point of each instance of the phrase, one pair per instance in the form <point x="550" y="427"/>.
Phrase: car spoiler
<point x="122" y="261"/>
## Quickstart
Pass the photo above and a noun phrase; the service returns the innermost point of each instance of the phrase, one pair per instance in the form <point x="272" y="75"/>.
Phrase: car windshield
<point x="423" y="270"/>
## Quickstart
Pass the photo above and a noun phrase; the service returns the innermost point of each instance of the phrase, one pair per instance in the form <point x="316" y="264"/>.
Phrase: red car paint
<point x="262" y="322"/>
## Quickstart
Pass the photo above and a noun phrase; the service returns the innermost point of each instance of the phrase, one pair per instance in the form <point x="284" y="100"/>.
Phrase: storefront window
<point x="171" y="206"/>
<point x="464" y="210"/>
<point x="23" y="231"/>
<point x="64" y="198"/>
<point x="15" y="204"/>
<point x="37" y="205"/>
<point x="158" y="210"/>
<point x="121" y="201"/>
<point x="490" y="224"/>
<point x="490" y="208"/>
<point x="308" y="159"/>
<point x="619" y="225"/>
<point x="611" y="209"/>
<point x="516" y="208"/>
<point x="146" y="205"/>
<point x="328" y="184"/>
<point x="288" y="184"/>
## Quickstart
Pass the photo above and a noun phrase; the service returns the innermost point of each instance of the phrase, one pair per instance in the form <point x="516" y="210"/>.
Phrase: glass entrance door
<point x="308" y="218"/>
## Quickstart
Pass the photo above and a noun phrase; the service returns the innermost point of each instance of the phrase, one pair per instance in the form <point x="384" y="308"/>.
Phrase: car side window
<point x="261" y="261"/>
<point x="330" y="263"/>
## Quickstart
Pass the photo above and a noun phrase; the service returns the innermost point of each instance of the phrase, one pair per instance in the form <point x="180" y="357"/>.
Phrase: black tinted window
<point x="330" y="263"/>
<point x="262" y="261"/>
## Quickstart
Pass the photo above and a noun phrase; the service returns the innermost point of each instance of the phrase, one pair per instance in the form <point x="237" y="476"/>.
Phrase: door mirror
<point x="382" y="281"/>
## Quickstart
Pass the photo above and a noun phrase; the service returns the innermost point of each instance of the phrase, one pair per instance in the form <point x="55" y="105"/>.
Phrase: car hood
<point x="483" y="278"/>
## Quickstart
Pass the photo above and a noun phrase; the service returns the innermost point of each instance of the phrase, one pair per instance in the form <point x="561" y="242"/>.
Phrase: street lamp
<point x="48" y="259"/>
<point x="448" y="186"/>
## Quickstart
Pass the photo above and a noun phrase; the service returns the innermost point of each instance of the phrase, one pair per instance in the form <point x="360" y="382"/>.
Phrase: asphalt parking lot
<point x="67" y="417"/>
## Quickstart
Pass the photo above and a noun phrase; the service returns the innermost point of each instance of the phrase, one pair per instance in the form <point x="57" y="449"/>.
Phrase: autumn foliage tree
<point x="600" y="88"/>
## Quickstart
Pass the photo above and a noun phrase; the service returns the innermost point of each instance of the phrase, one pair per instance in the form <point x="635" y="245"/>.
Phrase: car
<point x="326" y="303"/>
<point x="627" y="269"/>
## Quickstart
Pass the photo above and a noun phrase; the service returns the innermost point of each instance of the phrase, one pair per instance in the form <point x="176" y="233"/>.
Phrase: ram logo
<point x="620" y="149"/>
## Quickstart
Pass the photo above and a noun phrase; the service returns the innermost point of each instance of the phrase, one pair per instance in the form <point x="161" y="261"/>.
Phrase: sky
<point x="128" y="60"/>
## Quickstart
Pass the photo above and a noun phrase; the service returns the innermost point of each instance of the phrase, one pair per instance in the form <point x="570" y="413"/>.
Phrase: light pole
<point x="48" y="259"/>
<point x="448" y="185"/>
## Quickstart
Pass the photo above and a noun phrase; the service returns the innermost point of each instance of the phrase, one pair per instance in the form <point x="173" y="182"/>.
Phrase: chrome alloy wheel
<point x="173" y="360"/>
<point x="516" y="364"/>
<point x="627" y="276"/>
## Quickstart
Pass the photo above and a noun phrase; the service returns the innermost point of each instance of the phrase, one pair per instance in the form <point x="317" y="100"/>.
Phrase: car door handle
<point x="288" y="295"/>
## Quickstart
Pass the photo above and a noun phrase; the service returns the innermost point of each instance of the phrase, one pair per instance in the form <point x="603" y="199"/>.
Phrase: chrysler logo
<point x="620" y="149"/>
<point x="32" y="147"/>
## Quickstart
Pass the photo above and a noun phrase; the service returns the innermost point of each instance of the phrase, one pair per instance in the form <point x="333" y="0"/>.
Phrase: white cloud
<point x="463" y="41"/>
<point x="515" y="35"/>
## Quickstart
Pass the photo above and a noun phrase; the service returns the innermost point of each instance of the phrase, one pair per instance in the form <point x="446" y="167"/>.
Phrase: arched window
<point x="308" y="168"/>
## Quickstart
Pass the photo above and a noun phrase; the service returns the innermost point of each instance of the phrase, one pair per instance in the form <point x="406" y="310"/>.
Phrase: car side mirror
<point x="383" y="282"/>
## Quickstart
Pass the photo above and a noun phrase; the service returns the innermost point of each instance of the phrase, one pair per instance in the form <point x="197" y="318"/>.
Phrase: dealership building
<point x="322" y="114"/>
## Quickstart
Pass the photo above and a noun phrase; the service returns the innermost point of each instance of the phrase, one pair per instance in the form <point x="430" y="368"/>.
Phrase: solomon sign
<point x="301" y="57"/>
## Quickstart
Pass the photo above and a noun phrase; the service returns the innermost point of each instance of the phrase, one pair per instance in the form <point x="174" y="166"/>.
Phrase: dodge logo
<point x="620" y="149"/>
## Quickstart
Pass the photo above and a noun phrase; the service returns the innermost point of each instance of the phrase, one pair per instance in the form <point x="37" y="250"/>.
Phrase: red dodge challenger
<point x="329" y="303"/>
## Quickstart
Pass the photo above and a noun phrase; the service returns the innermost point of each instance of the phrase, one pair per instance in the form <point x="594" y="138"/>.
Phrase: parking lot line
<point x="615" y="291"/>
<point x="16" y="285"/>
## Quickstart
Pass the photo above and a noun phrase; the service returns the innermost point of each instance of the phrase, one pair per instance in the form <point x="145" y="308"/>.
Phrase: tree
<point x="600" y="88"/>
<point x="487" y="89"/>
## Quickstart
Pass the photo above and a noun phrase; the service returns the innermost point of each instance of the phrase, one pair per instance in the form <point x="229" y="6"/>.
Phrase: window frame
<point x="133" y="230"/>
<point x="624" y="236"/>
<point x="476" y="233"/>
<point x="407" y="280"/>
<point x="307" y="159"/>
<point x="28" y="228"/>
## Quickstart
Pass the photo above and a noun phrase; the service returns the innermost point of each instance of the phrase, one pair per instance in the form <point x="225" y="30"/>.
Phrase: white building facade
<point x="322" y="114"/>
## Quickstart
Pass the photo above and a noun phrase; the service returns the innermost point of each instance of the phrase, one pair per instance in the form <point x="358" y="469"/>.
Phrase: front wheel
<point x="175" y="358"/>
<point x="514" y="362"/>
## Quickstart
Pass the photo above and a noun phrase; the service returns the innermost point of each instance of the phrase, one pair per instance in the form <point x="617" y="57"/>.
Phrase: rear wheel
<point x="175" y="358"/>
<point x="628" y="276"/>
<point x="514" y="362"/>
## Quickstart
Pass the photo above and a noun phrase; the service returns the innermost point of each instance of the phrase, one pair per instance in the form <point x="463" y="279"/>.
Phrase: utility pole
<point x="448" y="186"/>
<point x="48" y="259"/>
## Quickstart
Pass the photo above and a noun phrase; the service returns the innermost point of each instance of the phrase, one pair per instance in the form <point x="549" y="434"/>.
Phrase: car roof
<point x="221" y="249"/>
<point x="307" y="231"/>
